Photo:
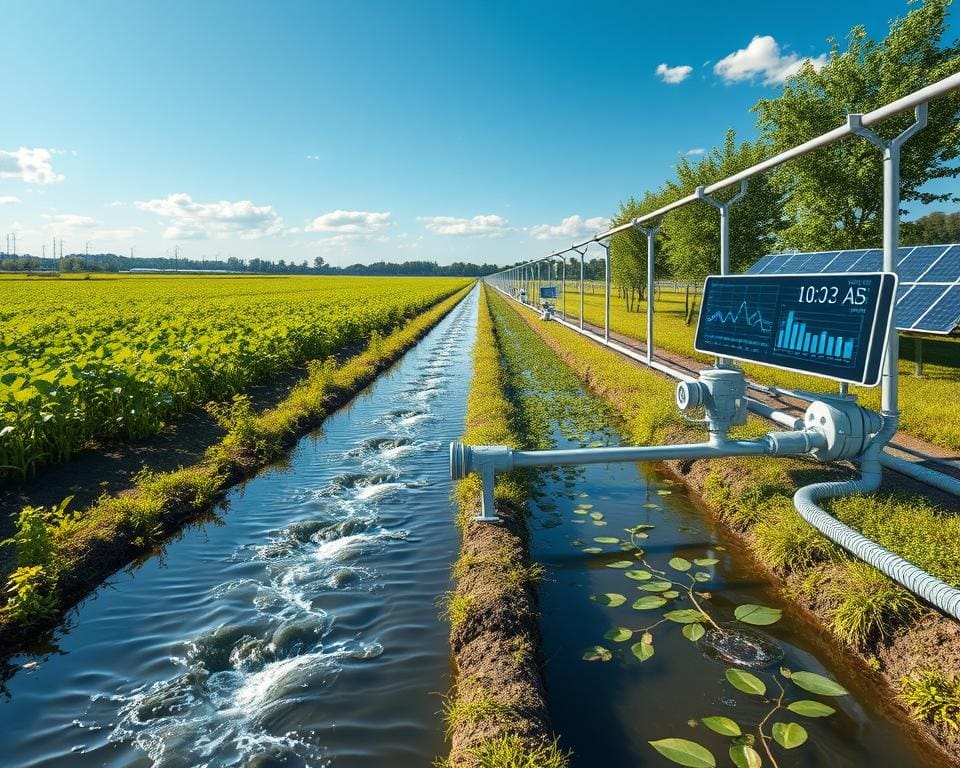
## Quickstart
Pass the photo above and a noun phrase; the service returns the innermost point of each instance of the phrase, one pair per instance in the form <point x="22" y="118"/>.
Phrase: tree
<point x="628" y="249"/>
<point x="834" y="194"/>
<point x="936" y="227"/>
<point x="318" y="262"/>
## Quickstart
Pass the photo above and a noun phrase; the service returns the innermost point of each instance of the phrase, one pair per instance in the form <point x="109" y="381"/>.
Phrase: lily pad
<point x="671" y="594"/>
<point x="597" y="515"/>
<point x="599" y="522"/>
<point x="684" y="616"/>
<point x="609" y="598"/>
<point x="663" y="492"/>
<point x="722" y="725"/>
<point x="597" y="653"/>
<point x="758" y="615"/>
<point x="744" y="681"/>
<point x="584" y="506"/>
<point x="693" y="632"/>
<point x="606" y="540"/>
<point x="789" y="735"/>
<point x="684" y="752"/>
<point x="648" y="603"/>
<point x="705" y="561"/>
<point x="745" y="756"/>
<point x="679" y="564"/>
<point x="656" y="586"/>
<point x="592" y="550"/>
<point x="620" y="564"/>
<point x="818" y="684"/>
<point x="618" y="634"/>
<point x="579" y="511"/>
<point x="638" y="575"/>
<point x="702" y="576"/>
<point x="642" y="651"/>
<point x="809" y="708"/>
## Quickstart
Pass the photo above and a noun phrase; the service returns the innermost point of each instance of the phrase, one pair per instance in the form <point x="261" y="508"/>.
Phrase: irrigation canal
<point x="299" y="626"/>
<point x="608" y="708"/>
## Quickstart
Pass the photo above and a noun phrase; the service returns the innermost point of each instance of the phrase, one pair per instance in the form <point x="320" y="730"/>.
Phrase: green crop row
<point x="112" y="358"/>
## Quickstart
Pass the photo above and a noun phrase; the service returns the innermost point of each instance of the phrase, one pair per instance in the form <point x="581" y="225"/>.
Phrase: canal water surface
<point x="299" y="627"/>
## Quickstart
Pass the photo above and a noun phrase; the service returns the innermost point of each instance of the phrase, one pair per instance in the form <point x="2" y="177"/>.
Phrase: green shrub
<point x="933" y="697"/>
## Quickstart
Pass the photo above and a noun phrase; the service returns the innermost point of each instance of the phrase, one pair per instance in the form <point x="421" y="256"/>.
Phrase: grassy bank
<point x="62" y="555"/>
<point x="921" y="398"/>
<point x="496" y="713"/>
<point x="913" y="649"/>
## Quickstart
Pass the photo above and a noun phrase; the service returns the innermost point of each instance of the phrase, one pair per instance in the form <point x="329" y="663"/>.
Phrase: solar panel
<point x="928" y="298"/>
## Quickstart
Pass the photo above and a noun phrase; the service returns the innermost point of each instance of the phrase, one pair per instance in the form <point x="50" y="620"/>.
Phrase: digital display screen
<point x="830" y="325"/>
<point x="548" y="292"/>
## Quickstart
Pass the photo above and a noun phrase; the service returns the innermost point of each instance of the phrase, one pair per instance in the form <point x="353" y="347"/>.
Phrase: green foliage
<point x="511" y="751"/>
<point x="30" y="594"/>
<point x="868" y="604"/>
<point x="834" y="195"/>
<point x="473" y="704"/>
<point x="113" y="359"/>
<point x="786" y="541"/>
<point x="936" y="227"/>
<point x="933" y="697"/>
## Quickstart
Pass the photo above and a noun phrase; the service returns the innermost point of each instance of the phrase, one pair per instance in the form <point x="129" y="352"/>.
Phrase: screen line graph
<point x="743" y="314"/>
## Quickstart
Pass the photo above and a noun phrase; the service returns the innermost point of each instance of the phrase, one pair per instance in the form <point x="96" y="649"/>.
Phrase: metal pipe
<point x="606" y="300"/>
<point x="522" y="459"/>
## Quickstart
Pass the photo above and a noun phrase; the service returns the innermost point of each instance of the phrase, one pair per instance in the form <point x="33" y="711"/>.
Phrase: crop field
<point x="112" y="357"/>
<point x="921" y="398"/>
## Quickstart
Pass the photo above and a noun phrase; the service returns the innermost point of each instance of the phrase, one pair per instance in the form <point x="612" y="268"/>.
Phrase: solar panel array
<point x="928" y="299"/>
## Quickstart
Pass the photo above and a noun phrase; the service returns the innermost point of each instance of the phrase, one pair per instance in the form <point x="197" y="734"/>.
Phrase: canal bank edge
<point x="496" y="713"/>
<point x="753" y="500"/>
<point x="63" y="558"/>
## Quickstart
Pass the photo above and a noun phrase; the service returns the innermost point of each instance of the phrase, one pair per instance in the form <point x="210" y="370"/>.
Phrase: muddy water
<point x="607" y="711"/>
<point x="300" y="627"/>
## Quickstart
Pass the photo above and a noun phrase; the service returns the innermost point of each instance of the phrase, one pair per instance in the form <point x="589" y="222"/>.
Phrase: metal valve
<point x="721" y="392"/>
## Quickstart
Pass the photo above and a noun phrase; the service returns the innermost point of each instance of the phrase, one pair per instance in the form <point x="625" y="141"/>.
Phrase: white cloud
<point x="116" y="204"/>
<point x="87" y="227"/>
<point x="351" y="222"/>
<point x="763" y="58"/>
<point x="30" y="165"/>
<point x="674" y="75"/>
<point x="570" y="227"/>
<point x="692" y="152"/>
<point x="188" y="220"/>
<point x="9" y="200"/>
<point x="72" y="221"/>
<point x="488" y="225"/>
<point x="312" y="157"/>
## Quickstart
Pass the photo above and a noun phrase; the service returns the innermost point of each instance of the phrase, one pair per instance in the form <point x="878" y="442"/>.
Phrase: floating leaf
<point x="609" y="598"/>
<point x="758" y="615"/>
<point x="620" y="564"/>
<point x="785" y="671"/>
<point x="789" y="735"/>
<point x="579" y="511"/>
<point x="579" y="522"/>
<point x="599" y="522"/>
<point x="651" y="506"/>
<point x="819" y="684"/>
<point x="597" y="653"/>
<point x="640" y="527"/>
<point x="693" y="632"/>
<point x="638" y="575"/>
<point x="809" y="708"/>
<point x="649" y="602"/>
<point x="705" y="561"/>
<point x="744" y="681"/>
<point x="684" y="616"/>
<point x="592" y="550"/>
<point x="606" y="540"/>
<point x="646" y="637"/>
<point x="584" y="506"/>
<point x="597" y="515"/>
<point x="684" y="752"/>
<point x="745" y="756"/>
<point x="679" y="564"/>
<point x="656" y="586"/>
<point x="670" y="594"/>
<point x="642" y="651"/>
<point x="702" y="576"/>
<point x="722" y="725"/>
<point x="595" y="444"/>
<point x="618" y="634"/>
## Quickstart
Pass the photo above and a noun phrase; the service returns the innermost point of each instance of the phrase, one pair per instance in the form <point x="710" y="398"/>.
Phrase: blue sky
<point x="361" y="131"/>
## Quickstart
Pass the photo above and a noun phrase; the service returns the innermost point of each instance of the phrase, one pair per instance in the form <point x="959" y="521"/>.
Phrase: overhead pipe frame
<point x="922" y="584"/>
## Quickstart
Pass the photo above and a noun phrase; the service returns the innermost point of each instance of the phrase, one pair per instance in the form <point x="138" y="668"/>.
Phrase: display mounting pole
<point x="724" y="209"/>
<point x="889" y="406"/>
<point x="651" y="233"/>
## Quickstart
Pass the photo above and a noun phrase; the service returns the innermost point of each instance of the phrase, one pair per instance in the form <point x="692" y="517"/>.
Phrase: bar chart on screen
<point x="797" y="336"/>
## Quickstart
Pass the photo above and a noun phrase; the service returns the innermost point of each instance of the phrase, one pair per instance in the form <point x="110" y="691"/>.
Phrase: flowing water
<point x="299" y="627"/>
<point x="612" y="530"/>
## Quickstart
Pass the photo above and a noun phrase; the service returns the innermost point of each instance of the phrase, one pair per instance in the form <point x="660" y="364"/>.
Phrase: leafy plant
<point x="933" y="697"/>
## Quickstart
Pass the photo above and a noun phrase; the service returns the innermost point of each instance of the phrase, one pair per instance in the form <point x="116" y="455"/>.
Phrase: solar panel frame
<point x="928" y="297"/>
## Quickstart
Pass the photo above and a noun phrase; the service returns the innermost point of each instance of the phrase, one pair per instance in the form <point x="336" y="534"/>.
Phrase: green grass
<point x="870" y="607"/>
<point x="512" y="752"/>
<point x="921" y="399"/>
<point x="933" y="697"/>
<point x="474" y="706"/>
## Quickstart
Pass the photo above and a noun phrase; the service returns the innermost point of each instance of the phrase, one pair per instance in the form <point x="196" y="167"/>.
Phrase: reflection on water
<point x="301" y="631"/>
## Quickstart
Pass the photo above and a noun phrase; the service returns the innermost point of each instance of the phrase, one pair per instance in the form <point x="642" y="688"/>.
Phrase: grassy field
<point x="113" y="356"/>
<point x="921" y="399"/>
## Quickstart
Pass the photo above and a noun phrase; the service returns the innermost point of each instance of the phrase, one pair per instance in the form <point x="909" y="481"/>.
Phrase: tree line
<point x="830" y="199"/>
